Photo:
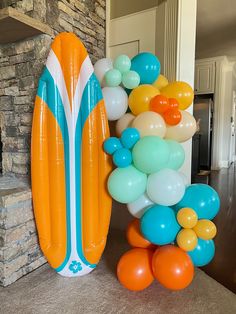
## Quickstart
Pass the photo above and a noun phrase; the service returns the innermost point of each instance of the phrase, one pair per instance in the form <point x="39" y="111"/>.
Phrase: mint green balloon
<point x="113" y="78"/>
<point x="151" y="154"/>
<point x="130" y="79"/>
<point x="177" y="155"/>
<point x="122" y="63"/>
<point x="126" y="185"/>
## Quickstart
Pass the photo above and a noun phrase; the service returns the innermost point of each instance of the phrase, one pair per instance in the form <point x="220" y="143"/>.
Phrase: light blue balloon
<point x="177" y="155"/>
<point x="203" y="252"/>
<point x="122" y="157"/>
<point x="159" y="225"/>
<point x="122" y="63"/>
<point x="203" y="199"/>
<point x="130" y="137"/>
<point x="113" y="78"/>
<point x="130" y="79"/>
<point x="148" y="66"/>
<point x="111" y="145"/>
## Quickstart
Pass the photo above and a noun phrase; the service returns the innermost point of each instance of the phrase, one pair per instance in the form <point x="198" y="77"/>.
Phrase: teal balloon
<point x="113" y="78"/>
<point x="150" y="154"/>
<point x="148" y="66"/>
<point x="122" y="63"/>
<point x="129" y="137"/>
<point x="130" y="79"/>
<point x="203" y="253"/>
<point x="122" y="157"/>
<point x="111" y="145"/>
<point x="159" y="225"/>
<point x="203" y="199"/>
<point x="126" y="185"/>
<point x="177" y="155"/>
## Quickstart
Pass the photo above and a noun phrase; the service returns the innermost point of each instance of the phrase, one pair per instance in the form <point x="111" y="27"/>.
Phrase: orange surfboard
<point x="69" y="167"/>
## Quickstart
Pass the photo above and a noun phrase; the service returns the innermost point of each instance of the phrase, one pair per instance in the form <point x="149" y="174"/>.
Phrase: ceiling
<point x="216" y="28"/>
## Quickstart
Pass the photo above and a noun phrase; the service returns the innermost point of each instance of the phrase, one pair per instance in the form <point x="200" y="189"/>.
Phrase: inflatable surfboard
<point x="69" y="167"/>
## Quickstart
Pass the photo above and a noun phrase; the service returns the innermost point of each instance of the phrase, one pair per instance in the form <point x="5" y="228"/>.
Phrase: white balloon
<point x="140" y="206"/>
<point x="124" y="122"/>
<point x="185" y="179"/>
<point x="165" y="187"/>
<point x="116" y="102"/>
<point x="100" y="69"/>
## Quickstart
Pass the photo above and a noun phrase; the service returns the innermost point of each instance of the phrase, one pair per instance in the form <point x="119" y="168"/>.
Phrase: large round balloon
<point x="203" y="199"/>
<point x="172" y="267"/>
<point x="100" y="69"/>
<point x="126" y="185"/>
<point x="184" y="130"/>
<point x="134" y="270"/>
<point x="124" y="122"/>
<point x="165" y="187"/>
<point x="140" y="206"/>
<point x="140" y="97"/>
<point x="177" y="155"/>
<point x="150" y="123"/>
<point x="203" y="253"/>
<point x="161" y="82"/>
<point x="150" y="154"/>
<point x="134" y="236"/>
<point x="159" y="225"/>
<point x="147" y="65"/>
<point x="182" y="91"/>
<point x="116" y="102"/>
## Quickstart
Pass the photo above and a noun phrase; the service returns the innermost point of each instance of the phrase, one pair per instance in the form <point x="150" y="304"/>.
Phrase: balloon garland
<point x="172" y="231"/>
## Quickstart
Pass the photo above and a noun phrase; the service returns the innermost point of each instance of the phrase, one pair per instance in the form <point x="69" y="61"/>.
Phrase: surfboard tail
<point x="69" y="168"/>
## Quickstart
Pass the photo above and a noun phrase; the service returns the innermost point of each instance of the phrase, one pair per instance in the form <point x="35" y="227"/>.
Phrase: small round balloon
<point x="150" y="123"/>
<point x="147" y="65"/>
<point x="187" y="217"/>
<point x="173" y="103"/>
<point x="172" y="116"/>
<point x="127" y="184"/>
<point x="181" y="91"/>
<point x="177" y="155"/>
<point x="130" y="79"/>
<point x="159" y="104"/>
<point x="187" y="239"/>
<point x="111" y="145"/>
<point x="159" y="225"/>
<point x="140" y="97"/>
<point x="116" y="102"/>
<point x="113" y="78"/>
<point x="122" y="158"/>
<point x="150" y="154"/>
<point x="184" y="130"/>
<point x="165" y="187"/>
<point x="172" y="267"/>
<point x="161" y="82"/>
<point x="130" y="137"/>
<point x="205" y="229"/>
<point x="134" y="236"/>
<point x="134" y="269"/>
<point x="203" y="199"/>
<point x="203" y="253"/>
<point x="122" y="63"/>
<point x="100" y="69"/>
<point x="124" y="122"/>
<point x="140" y="206"/>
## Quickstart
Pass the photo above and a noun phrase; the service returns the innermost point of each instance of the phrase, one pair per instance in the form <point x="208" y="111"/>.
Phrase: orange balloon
<point x="172" y="116"/>
<point x="182" y="91"/>
<point x="159" y="104"/>
<point x="134" y="236"/>
<point x="173" y="103"/>
<point x="134" y="269"/>
<point x="172" y="267"/>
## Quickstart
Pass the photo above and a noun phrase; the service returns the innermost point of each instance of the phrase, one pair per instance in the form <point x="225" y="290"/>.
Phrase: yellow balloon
<point x="161" y="82"/>
<point x="187" y="239"/>
<point x="187" y="217"/>
<point x="184" y="130"/>
<point x="205" y="229"/>
<point x="140" y="97"/>
<point x="181" y="91"/>
<point x="150" y="123"/>
<point x="124" y="122"/>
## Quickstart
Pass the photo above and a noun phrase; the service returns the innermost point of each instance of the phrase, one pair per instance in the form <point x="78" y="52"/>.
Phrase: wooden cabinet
<point x="205" y="77"/>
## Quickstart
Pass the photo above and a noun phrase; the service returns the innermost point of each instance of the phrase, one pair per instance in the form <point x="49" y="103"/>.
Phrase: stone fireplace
<point x="21" y="63"/>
